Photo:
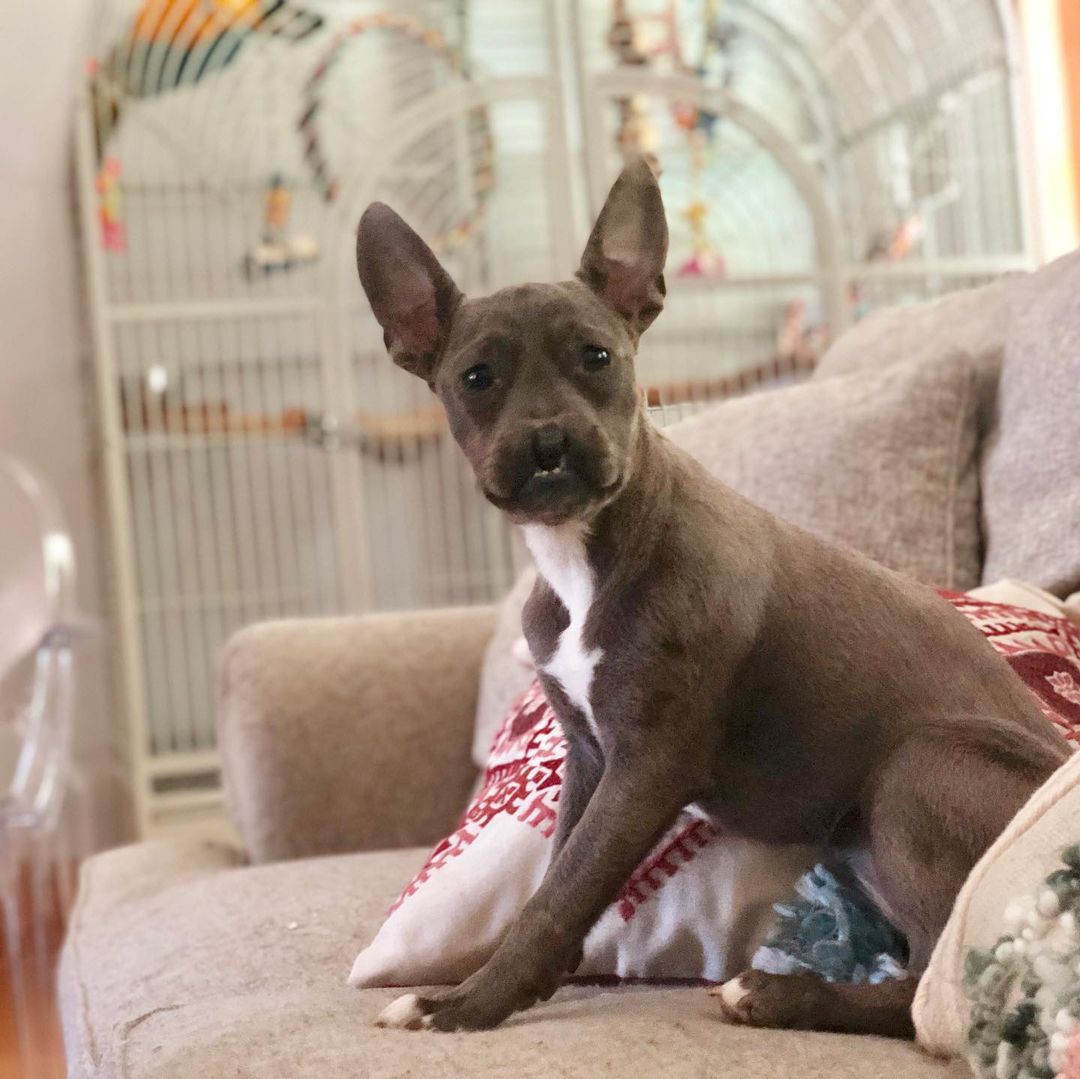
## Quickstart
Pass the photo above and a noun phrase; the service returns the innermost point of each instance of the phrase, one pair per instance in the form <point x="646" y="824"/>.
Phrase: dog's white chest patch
<point x="559" y="551"/>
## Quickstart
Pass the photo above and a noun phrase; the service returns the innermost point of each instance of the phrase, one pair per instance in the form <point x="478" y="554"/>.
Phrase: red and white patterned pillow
<point x="1043" y="649"/>
<point x="685" y="912"/>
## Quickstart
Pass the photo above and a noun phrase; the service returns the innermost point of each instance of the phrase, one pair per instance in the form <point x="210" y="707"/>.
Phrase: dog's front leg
<point x="631" y="807"/>
<point x="581" y="775"/>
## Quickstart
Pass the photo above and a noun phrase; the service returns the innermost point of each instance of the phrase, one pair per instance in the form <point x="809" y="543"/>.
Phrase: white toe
<point x="733" y="993"/>
<point x="403" y="1013"/>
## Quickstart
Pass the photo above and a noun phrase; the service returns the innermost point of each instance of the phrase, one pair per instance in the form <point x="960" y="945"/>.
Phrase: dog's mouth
<point x="553" y="495"/>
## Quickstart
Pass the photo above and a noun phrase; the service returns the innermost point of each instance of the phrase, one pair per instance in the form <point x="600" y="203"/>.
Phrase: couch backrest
<point x="1022" y="335"/>
<point x="971" y="322"/>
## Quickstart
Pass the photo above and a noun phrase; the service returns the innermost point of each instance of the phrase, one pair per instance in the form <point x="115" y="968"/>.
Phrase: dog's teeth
<point x="403" y="1013"/>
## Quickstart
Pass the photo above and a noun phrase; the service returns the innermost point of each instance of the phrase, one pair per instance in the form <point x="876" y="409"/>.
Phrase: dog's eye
<point x="480" y="377"/>
<point x="594" y="358"/>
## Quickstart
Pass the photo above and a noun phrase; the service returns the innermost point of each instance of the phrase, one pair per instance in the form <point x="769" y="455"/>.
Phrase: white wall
<point x="46" y="402"/>
<point x="1049" y="142"/>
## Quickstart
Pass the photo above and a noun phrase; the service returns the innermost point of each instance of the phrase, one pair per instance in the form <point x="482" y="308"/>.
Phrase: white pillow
<point x="700" y="903"/>
<point x="696" y="908"/>
<point x="1029" y="596"/>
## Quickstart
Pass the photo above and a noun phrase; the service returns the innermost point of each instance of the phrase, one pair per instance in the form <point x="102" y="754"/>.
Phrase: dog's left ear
<point x="412" y="296"/>
<point x="624" y="258"/>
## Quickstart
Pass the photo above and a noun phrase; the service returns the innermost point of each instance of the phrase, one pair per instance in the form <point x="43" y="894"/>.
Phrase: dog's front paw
<point x="758" y="999"/>
<point x="407" y="1012"/>
<point x="451" y="1011"/>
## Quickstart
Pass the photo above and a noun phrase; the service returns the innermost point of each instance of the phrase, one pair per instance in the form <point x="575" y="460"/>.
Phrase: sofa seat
<point x="183" y="961"/>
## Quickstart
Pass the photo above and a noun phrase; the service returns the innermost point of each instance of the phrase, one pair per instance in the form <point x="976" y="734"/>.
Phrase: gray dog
<point x="695" y="648"/>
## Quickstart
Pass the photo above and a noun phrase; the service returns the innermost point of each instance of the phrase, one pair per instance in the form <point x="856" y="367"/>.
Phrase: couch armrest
<point x="349" y="734"/>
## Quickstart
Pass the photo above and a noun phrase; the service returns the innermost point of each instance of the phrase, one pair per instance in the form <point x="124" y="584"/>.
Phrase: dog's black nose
<point x="548" y="446"/>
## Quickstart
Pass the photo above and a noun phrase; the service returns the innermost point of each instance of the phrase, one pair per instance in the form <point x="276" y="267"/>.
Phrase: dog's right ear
<point x="411" y="295"/>
<point x="624" y="258"/>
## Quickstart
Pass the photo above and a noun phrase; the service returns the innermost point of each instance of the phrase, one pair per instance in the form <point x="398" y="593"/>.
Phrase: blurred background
<point x="188" y="361"/>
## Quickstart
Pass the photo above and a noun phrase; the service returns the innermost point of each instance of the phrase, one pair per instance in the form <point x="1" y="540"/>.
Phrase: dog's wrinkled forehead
<point x="529" y="318"/>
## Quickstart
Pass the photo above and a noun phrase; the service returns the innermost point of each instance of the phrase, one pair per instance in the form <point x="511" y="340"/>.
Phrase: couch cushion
<point x="502" y="677"/>
<point x="306" y="706"/>
<point x="1031" y="469"/>
<point x="178" y="963"/>
<point x="882" y="461"/>
<point x="969" y="323"/>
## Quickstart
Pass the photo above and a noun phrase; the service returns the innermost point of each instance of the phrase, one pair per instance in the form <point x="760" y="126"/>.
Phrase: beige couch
<point x="346" y="747"/>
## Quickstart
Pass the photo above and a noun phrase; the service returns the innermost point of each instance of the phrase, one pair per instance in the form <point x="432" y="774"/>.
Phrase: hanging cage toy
<point x="113" y="231"/>
<point x="637" y="132"/>
<point x="175" y="43"/>
<point x="700" y="125"/>
<point x="479" y="128"/>
<point x="171" y="44"/>
<point x="279" y="249"/>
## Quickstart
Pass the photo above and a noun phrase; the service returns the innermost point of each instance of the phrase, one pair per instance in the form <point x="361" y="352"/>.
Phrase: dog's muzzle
<point x="549" y="475"/>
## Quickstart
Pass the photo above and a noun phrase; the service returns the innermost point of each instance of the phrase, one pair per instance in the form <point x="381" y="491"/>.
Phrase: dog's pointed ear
<point x="411" y="295"/>
<point x="624" y="258"/>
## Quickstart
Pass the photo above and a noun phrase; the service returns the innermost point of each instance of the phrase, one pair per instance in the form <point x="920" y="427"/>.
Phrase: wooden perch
<point x="401" y="436"/>
<point x="716" y="389"/>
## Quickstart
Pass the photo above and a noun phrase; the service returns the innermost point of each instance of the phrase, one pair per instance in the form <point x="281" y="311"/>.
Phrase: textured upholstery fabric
<point x="971" y="323"/>
<point x="883" y="461"/>
<point x="1031" y="470"/>
<point x="103" y="979"/>
<point x="179" y="965"/>
<point x="349" y="734"/>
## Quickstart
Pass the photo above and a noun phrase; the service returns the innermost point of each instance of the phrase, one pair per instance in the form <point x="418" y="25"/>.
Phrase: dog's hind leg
<point x="807" y="1002"/>
<point x="932" y="811"/>
<point x="935" y="806"/>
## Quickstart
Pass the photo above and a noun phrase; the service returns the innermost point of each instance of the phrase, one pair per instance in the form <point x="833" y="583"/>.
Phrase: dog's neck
<point x="601" y="558"/>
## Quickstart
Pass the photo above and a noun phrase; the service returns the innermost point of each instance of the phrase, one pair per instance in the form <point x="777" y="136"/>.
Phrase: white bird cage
<point x="264" y="458"/>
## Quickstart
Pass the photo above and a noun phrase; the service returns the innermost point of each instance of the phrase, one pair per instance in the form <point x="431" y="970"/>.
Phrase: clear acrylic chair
<point x="39" y="629"/>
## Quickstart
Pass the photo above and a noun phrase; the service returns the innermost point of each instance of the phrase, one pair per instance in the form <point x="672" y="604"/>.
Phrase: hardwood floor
<point x="47" y="1056"/>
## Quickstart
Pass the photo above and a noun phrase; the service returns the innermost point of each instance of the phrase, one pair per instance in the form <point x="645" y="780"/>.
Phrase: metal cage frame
<point x="226" y="504"/>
